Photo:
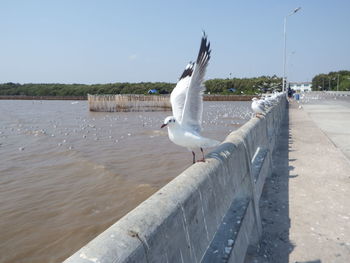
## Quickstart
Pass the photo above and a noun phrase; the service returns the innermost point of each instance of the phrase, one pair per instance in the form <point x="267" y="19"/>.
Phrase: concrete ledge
<point x="230" y="236"/>
<point x="184" y="221"/>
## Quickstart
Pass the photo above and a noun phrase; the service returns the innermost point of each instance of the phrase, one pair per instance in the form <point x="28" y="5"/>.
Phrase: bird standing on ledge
<point x="186" y="99"/>
<point x="258" y="107"/>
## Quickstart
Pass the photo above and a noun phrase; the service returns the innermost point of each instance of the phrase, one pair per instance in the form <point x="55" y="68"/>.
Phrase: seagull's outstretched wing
<point x="193" y="106"/>
<point x="178" y="95"/>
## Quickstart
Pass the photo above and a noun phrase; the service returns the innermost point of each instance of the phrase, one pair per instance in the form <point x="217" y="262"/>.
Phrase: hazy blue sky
<point x="98" y="41"/>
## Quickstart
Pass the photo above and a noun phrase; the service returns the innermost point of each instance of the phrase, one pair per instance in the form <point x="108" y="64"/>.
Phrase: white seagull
<point x="258" y="107"/>
<point x="186" y="99"/>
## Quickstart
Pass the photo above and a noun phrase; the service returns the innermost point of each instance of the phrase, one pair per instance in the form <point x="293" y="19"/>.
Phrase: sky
<point x="101" y="41"/>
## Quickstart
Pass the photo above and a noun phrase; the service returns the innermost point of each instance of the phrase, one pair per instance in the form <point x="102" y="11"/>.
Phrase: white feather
<point x="187" y="104"/>
<point x="178" y="97"/>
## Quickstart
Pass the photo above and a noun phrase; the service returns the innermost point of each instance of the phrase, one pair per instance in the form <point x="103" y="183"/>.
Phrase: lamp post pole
<point x="284" y="55"/>
<point x="285" y="48"/>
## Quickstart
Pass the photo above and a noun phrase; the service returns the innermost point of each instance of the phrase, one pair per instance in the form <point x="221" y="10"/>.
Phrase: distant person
<point x="290" y="93"/>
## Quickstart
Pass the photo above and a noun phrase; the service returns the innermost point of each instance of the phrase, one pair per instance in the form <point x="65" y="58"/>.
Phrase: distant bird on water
<point x="186" y="99"/>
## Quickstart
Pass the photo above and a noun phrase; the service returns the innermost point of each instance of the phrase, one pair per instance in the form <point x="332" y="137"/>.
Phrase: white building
<point x="300" y="86"/>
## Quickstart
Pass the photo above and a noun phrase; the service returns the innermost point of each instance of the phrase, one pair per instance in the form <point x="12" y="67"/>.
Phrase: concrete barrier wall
<point x="209" y="213"/>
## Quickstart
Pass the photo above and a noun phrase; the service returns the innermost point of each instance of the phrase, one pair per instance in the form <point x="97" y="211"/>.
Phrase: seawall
<point x="209" y="213"/>
<point x="139" y="102"/>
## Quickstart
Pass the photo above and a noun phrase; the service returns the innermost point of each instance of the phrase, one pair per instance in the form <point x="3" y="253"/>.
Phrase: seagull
<point x="186" y="99"/>
<point x="258" y="107"/>
<point x="266" y="102"/>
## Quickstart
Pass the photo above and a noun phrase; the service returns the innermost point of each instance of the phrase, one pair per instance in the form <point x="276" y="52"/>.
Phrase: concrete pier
<point x="305" y="207"/>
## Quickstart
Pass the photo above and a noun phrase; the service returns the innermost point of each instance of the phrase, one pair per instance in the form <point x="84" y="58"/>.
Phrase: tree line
<point x="247" y="86"/>
<point x="339" y="80"/>
<point x="237" y="86"/>
<point x="334" y="80"/>
<point x="55" y="89"/>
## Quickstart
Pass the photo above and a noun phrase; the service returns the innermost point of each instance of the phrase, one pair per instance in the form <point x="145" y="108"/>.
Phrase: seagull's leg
<point x="202" y="160"/>
<point x="202" y="154"/>
<point x="194" y="157"/>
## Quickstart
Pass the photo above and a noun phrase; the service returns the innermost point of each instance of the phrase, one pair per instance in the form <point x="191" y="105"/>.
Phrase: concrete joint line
<point x="330" y="140"/>
<point x="184" y="223"/>
<point x="205" y="221"/>
<point x="259" y="151"/>
<point x="253" y="192"/>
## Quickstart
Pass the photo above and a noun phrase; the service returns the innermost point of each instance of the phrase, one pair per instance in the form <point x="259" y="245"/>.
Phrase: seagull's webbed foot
<point x="260" y="115"/>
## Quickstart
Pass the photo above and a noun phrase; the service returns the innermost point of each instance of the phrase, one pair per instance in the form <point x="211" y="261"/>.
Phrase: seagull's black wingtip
<point x="204" y="48"/>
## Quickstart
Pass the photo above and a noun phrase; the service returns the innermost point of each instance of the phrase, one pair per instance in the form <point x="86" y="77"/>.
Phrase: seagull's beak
<point x="163" y="125"/>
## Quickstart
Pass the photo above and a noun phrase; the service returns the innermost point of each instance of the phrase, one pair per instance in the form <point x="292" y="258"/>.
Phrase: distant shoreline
<point x="206" y="97"/>
<point x="24" y="97"/>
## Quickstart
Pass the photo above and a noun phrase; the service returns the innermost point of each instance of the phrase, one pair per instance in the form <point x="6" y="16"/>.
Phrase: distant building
<point x="300" y="86"/>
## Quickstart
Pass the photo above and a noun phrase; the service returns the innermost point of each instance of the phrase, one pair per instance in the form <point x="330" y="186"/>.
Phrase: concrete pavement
<point x="305" y="204"/>
<point x="333" y="118"/>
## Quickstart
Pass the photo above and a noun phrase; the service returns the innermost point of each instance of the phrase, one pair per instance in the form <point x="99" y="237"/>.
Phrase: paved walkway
<point x="305" y="205"/>
<point x="333" y="118"/>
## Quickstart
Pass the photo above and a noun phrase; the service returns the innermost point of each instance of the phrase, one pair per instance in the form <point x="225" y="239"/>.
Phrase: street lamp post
<point x="285" y="47"/>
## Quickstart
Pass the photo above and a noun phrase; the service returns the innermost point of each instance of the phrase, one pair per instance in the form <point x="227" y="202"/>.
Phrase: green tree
<point x="332" y="81"/>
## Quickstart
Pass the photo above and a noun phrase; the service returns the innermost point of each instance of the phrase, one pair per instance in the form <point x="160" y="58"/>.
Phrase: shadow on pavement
<point x="275" y="245"/>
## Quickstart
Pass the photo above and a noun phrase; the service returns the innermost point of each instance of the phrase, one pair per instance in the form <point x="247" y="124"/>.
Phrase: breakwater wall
<point x="135" y="102"/>
<point x="209" y="213"/>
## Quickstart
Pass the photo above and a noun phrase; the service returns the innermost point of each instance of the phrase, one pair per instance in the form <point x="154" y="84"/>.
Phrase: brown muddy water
<point x="66" y="174"/>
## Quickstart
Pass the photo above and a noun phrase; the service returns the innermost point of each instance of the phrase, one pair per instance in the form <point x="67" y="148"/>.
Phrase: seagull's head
<point x="254" y="99"/>
<point x="169" y="121"/>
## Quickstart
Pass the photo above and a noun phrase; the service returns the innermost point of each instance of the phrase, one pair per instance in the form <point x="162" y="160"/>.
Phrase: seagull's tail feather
<point x="208" y="143"/>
